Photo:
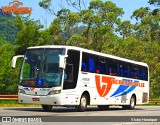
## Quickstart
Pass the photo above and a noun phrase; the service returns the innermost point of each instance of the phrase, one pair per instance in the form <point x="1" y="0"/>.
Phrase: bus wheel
<point x="132" y="102"/>
<point x="103" y="107"/>
<point x="83" y="104"/>
<point x="131" y="105"/>
<point x="47" y="108"/>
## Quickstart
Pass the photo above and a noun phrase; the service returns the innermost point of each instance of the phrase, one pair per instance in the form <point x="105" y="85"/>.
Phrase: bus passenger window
<point x="112" y="72"/>
<point x="91" y="65"/>
<point x="126" y="73"/>
<point x="84" y="67"/>
<point x="98" y="69"/>
<point x="141" y="76"/>
<point x="135" y="75"/>
<point x="144" y="76"/>
<point x="122" y="72"/>
<point x="132" y="74"/>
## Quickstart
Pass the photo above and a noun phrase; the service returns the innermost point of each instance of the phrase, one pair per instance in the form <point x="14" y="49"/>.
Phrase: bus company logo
<point x="104" y="85"/>
<point x="14" y="8"/>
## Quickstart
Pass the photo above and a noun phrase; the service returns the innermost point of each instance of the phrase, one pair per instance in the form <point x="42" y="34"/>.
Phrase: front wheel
<point x="47" y="108"/>
<point x="83" y="104"/>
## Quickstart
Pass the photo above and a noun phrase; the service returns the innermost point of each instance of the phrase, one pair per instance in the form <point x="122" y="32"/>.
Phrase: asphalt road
<point x="142" y="115"/>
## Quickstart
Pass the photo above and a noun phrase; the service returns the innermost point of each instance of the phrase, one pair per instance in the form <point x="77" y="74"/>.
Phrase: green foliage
<point x="148" y="28"/>
<point x="125" y="28"/>
<point x="8" y="31"/>
<point x="45" y="4"/>
<point x="154" y="2"/>
<point x="8" y="77"/>
<point x="77" y="40"/>
<point x="29" y="33"/>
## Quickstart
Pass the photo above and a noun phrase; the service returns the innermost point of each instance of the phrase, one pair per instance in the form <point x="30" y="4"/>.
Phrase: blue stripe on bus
<point x="128" y="91"/>
<point x="120" y="90"/>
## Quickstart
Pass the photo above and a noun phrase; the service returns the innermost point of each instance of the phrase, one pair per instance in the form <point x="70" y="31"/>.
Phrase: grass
<point x="151" y="104"/>
<point x="4" y="103"/>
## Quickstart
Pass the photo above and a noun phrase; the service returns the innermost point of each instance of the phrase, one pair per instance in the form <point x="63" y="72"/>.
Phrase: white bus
<point x="72" y="76"/>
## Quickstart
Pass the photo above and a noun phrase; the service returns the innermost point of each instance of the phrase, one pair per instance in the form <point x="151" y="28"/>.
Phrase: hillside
<point x="7" y="29"/>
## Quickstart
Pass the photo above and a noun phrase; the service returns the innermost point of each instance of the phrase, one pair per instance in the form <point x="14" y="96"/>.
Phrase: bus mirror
<point x="62" y="61"/>
<point x="14" y="60"/>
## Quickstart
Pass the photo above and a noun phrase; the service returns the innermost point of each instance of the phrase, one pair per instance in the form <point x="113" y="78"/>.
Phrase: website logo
<point x="14" y="8"/>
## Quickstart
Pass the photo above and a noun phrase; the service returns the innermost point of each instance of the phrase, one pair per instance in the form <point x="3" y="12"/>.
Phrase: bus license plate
<point x="35" y="99"/>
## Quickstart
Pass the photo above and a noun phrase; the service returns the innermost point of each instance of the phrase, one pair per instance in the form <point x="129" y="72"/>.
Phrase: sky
<point x="46" y="18"/>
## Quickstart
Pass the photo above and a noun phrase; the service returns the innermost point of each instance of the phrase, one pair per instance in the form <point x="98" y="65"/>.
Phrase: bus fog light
<point x="21" y="91"/>
<point x="54" y="92"/>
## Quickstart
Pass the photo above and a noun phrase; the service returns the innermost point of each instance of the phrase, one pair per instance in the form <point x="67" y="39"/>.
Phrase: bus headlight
<point x="54" y="92"/>
<point x="21" y="91"/>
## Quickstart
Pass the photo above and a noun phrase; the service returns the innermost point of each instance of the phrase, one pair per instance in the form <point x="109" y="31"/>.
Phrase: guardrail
<point x="8" y="97"/>
<point x="15" y="97"/>
<point x="154" y="101"/>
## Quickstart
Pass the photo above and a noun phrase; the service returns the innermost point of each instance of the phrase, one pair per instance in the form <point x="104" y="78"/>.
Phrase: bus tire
<point x="47" y="108"/>
<point x="83" y="103"/>
<point x="132" y="104"/>
<point x="103" y="107"/>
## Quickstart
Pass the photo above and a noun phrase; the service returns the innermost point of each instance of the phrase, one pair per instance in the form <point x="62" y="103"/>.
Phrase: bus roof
<point x="91" y="52"/>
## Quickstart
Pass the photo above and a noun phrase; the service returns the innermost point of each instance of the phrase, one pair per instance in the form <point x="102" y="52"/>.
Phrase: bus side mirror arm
<point x="62" y="61"/>
<point x="14" y="60"/>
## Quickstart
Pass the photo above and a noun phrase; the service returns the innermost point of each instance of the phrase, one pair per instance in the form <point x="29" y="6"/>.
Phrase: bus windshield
<point x="41" y="68"/>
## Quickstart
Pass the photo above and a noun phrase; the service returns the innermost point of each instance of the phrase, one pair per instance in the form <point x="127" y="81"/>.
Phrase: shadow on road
<point x="65" y="109"/>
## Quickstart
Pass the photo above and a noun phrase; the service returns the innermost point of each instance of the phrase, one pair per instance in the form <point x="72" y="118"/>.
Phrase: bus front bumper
<point x="56" y="99"/>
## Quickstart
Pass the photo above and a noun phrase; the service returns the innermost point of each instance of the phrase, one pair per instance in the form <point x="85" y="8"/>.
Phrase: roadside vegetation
<point x="4" y="103"/>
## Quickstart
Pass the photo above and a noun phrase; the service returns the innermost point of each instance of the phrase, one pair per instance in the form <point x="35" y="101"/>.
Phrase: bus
<point x="67" y="76"/>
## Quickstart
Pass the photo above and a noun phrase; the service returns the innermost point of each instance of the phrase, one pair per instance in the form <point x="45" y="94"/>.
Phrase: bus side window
<point x="122" y="69"/>
<point x="126" y="72"/>
<point x="142" y="73"/>
<point x="98" y="69"/>
<point x="107" y="72"/>
<point x="112" y="72"/>
<point x="122" y="72"/>
<point x="91" y="65"/>
<point x="144" y="76"/>
<point x="101" y="65"/>
<point x="112" y="67"/>
<point x="118" y="70"/>
<point x="84" y="67"/>
<point x="132" y="74"/>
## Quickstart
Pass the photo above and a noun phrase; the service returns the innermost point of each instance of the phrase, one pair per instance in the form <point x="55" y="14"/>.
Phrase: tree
<point x="125" y="29"/>
<point x="77" y="4"/>
<point x="154" y="2"/>
<point x="101" y="18"/>
<point x="29" y="33"/>
<point x="8" y="78"/>
<point x="147" y="29"/>
<point x="8" y="30"/>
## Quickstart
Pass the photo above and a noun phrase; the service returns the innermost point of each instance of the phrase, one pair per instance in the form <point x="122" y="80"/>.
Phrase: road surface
<point x="142" y="115"/>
